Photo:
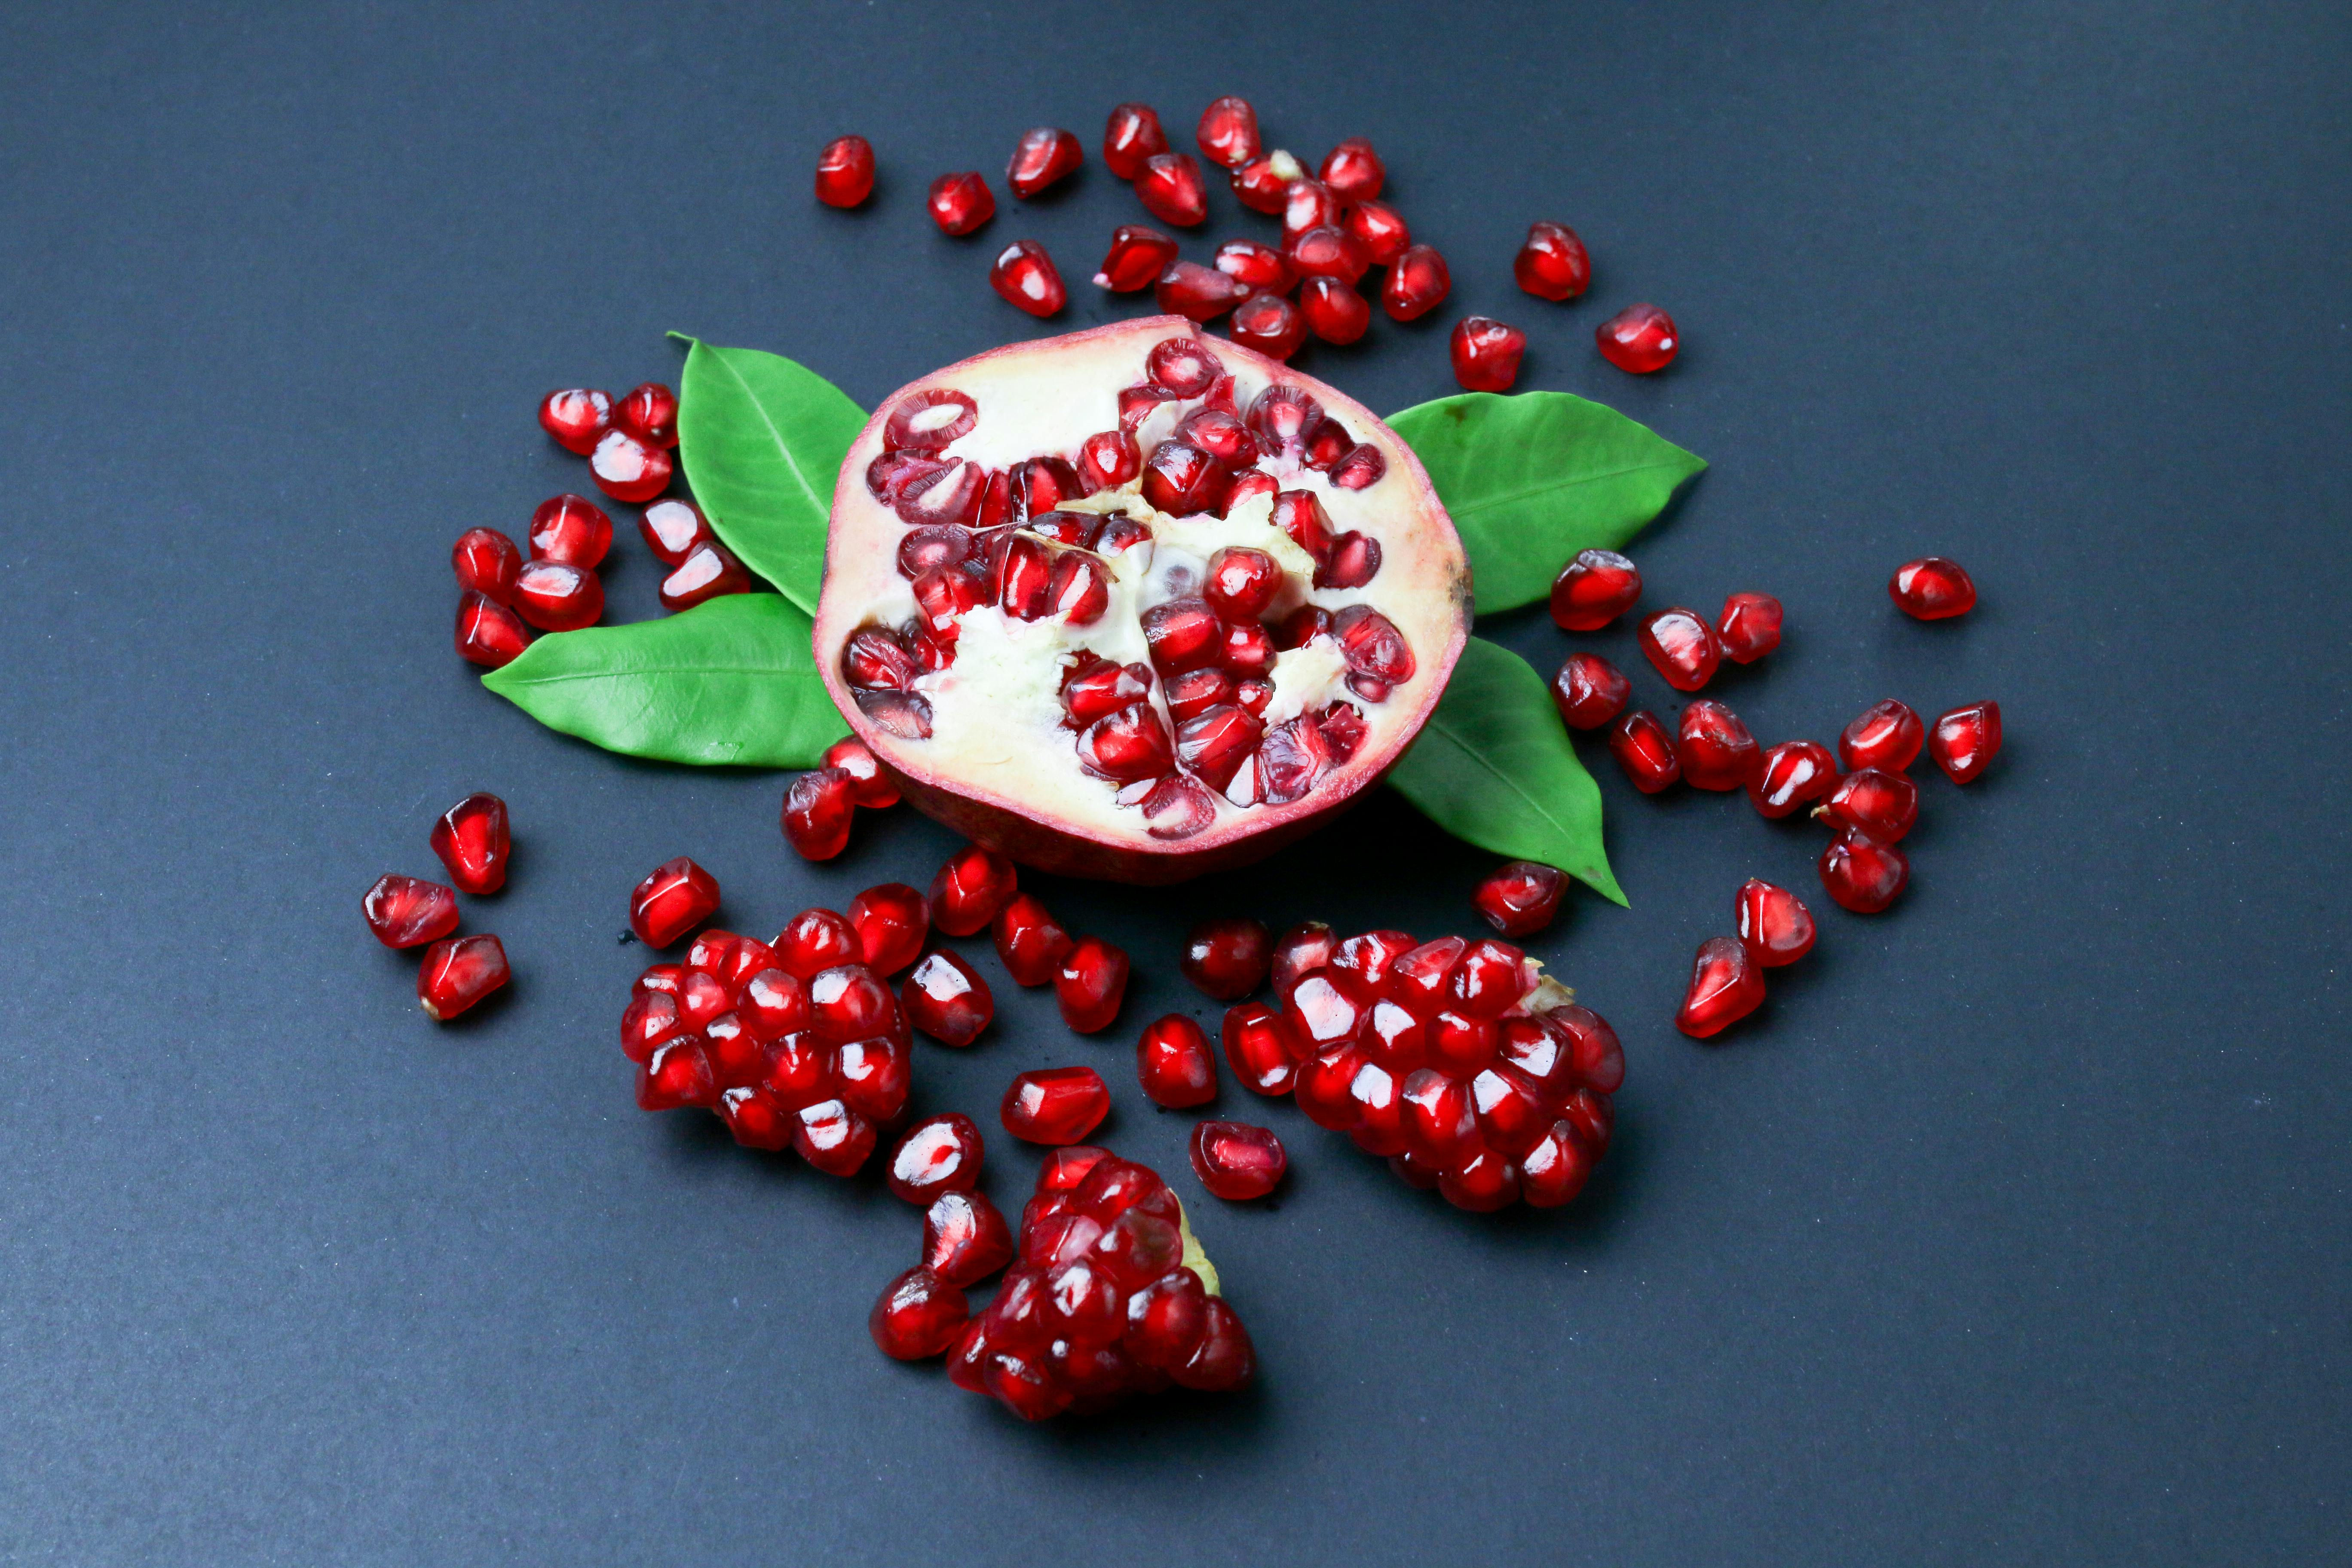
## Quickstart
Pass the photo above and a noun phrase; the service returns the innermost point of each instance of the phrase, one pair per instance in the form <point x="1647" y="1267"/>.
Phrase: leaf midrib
<point x="776" y="434"/>
<point x="1472" y="509"/>
<point x="1471" y="751"/>
<point x="632" y="672"/>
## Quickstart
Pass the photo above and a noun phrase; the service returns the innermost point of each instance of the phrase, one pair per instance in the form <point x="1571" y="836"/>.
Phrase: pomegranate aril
<point x="1886" y="735"/>
<point x="846" y="1002"/>
<point x="902" y="714"/>
<point x="1080" y="590"/>
<point x="1373" y="643"/>
<point x="814" y="941"/>
<point x="1681" y="647"/>
<point x="844" y="171"/>
<point x="1138" y="256"/>
<point x="1263" y="184"/>
<point x="1329" y="251"/>
<point x="1228" y="958"/>
<point x="965" y="1239"/>
<point x="472" y="839"/>
<point x="1226" y="1359"/>
<point x="1381" y="229"/>
<point x="1863" y="874"/>
<point x="874" y="659"/>
<point x="817" y="813"/>
<point x="1270" y="324"/>
<point x="938" y="1155"/>
<point x="487" y="632"/>
<point x="1552" y="264"/>
<point x="867" y="785"/>
<point x="1260" y="268"/>
<point x="930" y="420"/>
<point x="629" y="469"/>
<point x="1025" y="275"/>
<point x="1109" y="458"/>
<point x="1127" y="746"/>
<point x="1640" y="338"/>
<point x="405" y="912"/>
<point x="946" y="998"/>
<point x="1327" y="444"/>
<point x="1183" y="634"/>
<point x="1263" y="1050"/>
<point x="1644" y="750"/>
<point x="1773" y="923"/>
<point x="1248" y="650"/>
<point x="892" y="920"/>
<point x="1196" y="293"/>
<point x="1132" y="134"/>
<point x="1362" y="468"/>
<point x="1751" y="627"/>
<point x="970" y="888"/>
<point x="1588" y="691"/>
<point x="1183" y="480"/>
<point x="1520" y="898"/>
<point x="1487" y="353"/>
<point x="1184" y="366"/>
<point x="1090" y="984"/>
<point x="1237" y="1162"/>
<point x="1873" y="802"/>
<point x="678" y="1075"/>
<point x="1594" y="590"/>
<point x="833" y="1138"/>
<point x="1055" y="1105"/>
<point x="1727" y="984"/>
<point x="1795" y="774"/>
<point x="457" y="971"/>
<point x="671" y="529"/>
<point x="1171" y="190"/>
<point x="1966" y="739"/>
<point x="555" y="597"/>
<point x="1306" y="204"/>
<point x="649" y="412"/>
<point x="1212" y="745"/>
<point x="1228" y="131"/>
<point x="1418" y="282"/>
<point x="1104" y="688"/>
<point x="918" y="1315"/>
<point x="675" y="897"/>
<point x="1174" y="1063"/>
<point x="1041" y="157"/>
<point x="1220" y="434"/>
<point x="1353" y="171"/>
<point x="1716" y="750"/>
<point x="577" y="418"/>
<point x="1932" y="589"/>
<point x="1334" y="311"/>
<point x="486" y="562"/>
<point x="1304" y="948"/>
<point x="1354" y="561"/>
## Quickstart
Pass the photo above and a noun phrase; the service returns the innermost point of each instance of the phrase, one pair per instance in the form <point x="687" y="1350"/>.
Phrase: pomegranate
<point x="938" y="1155"/>
<point x="1263" y="184"/>
<point x="965" y="1239"/>
<point x="844" y="171"/>
<point x="473" y="841"/>
<point x="1038" y="656"/>
<point x="918" y="1316"/>
<point x="1644" y="750"/>
<point x="1681" y="647"/>
<point x="1863" y="874"/>
<point x="1270" y="324"/>
<point x="1417" y="284"/>
<point x="1795" y="774"/>
<point x="1334" y="310"/>
<point x="1381" y="229"/>
<point x="649" y="412"/>
<point x="1774" y="924"/>
<point x="1261" y="267"/>
<point x="1174" y="1063"/>
<point x="1227" y="958"/>
<point x="962" y="203"/>
<point x="1751" y="627"/>
<point x="487" y="632"/>
<point x="1716" y="750"/>
<point x="1886" y="735"/>
<point x="555" y="597"/>
<point x="672" y="528"/>
<point x="1055" y="1105"/>
<point x="946" y="998"/>
<point x="1594" y="589"/>
<point x="628" y="469"/>
<point x="892" y="921"/>
<point x="1873" y="802"/>
<point x="708" y="570"/>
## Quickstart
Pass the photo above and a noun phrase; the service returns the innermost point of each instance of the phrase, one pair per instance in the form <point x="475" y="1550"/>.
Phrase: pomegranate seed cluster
<point x="472" y="841"/>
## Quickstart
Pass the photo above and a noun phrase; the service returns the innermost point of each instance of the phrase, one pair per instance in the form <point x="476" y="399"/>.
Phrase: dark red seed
<point x="1304" y="948"/>
<point x="1261" y="1048"/>
<point x="1520" y="898"/>
<point x="970" y="888"/>
<point x="709" y="571"/>
<point x="1127" y="747"/>
<point x="1966" y="739"/>
<point x="1751" y="627"/>
<point x="1932" y="589"/>
<point x="1716" y="750"/>
<point x="675" y="897"/>
<point x="1588" y="691"/>
<point x="405" y="912"/>
<point x="814" y="941"/>
<point x="1174" y="1063"/>
<point x="472" y="839"/>
<point x="1334" y="311"/>
<point x="577" y="418"/>
<point x="1872" y="801"/>
<point x="1041" y="157"/>
<point x="1170" y="189"/>
<point x="962" y="203"/>
<point x="844" y="171"/>
<point x="1109" y="458"/>
<point x="1300" y="514"/>
<point x="938" y="1155"/>
<point x="1258" y="266"/>
<point x="1418" y="282"/>
<point x="1132" y="135"/>
<point x="1862" y="874"/>
<point x="457" y="971"/>
<point x="1029" y="941"/>
<point x="629" y="469"/>
<point x="1090" y="984"/>
<point x="1241" y="583"/>
<point x="1725" y="985"/>
<point x="1196" y="293"/>
<point x="946" y="998"/>
<point x="868" y="785"/>
<point x="1309" y="204"/>
<point x="1228" y="958"/>
<point x="558" y="598"/>
<point x="1025" y="277"/>
<point x="1353" y="170"/>
<point x="1644" y="750"/>
<point x="649" y="412"/>
<point x="1681" y="647"/>
<point x="1594" y="590"/>
<point x="1373" y="644"/>
<point x="1138" y="254"/>
<point x="817" y="813"/>
<point x="1360" y="468"/>
<point x="1380" y="230"/>
<point x="1773" y="923"/>
<point x="1487" y="353"/>
<point x="672" y="528"/>
<point x="965" y="1239"/>
<point x="1237" y="1162"/>
<point x="1639" y="338"/>
<point x="1328" y="251"/>
<point x="918" y="1316"/>
<point x="1181" y="634"/>
<point x="1182" y="366"/>
<point x="1263" y="184"/>
<point x="1886" y="735"/>
<point x="1055" y="1105"/>
<point x="1270" y="324"/>
<point x="1228" y="131"/>
<point x="1795" y="774"/>
<point x="1354" y="561"/>
<point x="1552" y="264"/>
<point x="487" y="632"/>
<point x="487" y="563"/>
<point x="892" y="921"/>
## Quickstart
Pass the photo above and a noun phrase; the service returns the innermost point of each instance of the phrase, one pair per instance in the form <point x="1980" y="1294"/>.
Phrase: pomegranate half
<point x="1135" y="603"/>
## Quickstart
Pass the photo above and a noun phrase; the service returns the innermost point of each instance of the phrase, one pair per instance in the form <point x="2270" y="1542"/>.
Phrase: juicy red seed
<point x="1329" y="444"/>
<point x="1887" y="734"/>
<point x="1196" y="692"/>
<point x="1270" y="324"/>
<point x="1041" y="157"/>
<point x="1795" y="774"/>
<point x="1080" y="591"/>
<point x="1373" y="643"/>
<point x="1487" y="353"/>
<point x="404" y="911"/>
<point x="1328" y="251"/>
<point x="1248" y="485"/>
<point x="1862" y="874"/>
<point x="1258" y="266"/>
<point x="1030" y="942"/>
<point x="1109" y="458"/>
<point x="1237" y="1162"/>
<point x="1300" y="514"/>
<point x="1283" y="417"/>
<point x="938" y="1155"/>
<point x="1308" y="203"/>
<point x="929" y="420"/>
<point x="1353" y="171"/>
<point x="1966" y="739"/>
<point x="487" y="563"/>
<point x="555" y="597"/>
<point x="1644" y="750"/>
<point x="709" y="571"/>
<point x="649" y="412"/>
<point x="1716" y="750"/>
<point x="1361" y="468"/>
<point x="1104" y="688"/>
<point x="874" y="659"/>
<point x="1171" y="190"/>
<point x="1127" y="746"/>
<point x="970" y="888"/>
<point x="628" y="469"/>
<point x="471" y="839"/>
<point x="1040" y="485"/>
<point x="577" y="418"/>
<point x="457" y="971"/>
<point x="1248" y="650"/>
<point x="1220" y="434"/>
<point x="1751" y="627"/>
<point x="1055" y="1105"/>
<point x="1639" y="338"/>
<point x="1594" y="589"/>
<point x="1418" y="282"/>
<point x="1520" y="898"/>
<point x="1138" y="256"/>
<point x="891" y="472"/>
<point x="1873" y="802"/>
<point x="1588" y="691"/>
<point x="1183" y="634"/>
<point x="1174" y="1063"/>
<point x="891" y="921"/>
<point x="1090" y="984"/>
<point x="946" y="998"/>
<point x="817" y="813"/>
<point x="1228" y="131"/>
<point x="1196" y="293"/>
<point x="1263" y="184"/>
<point x="1184" y="366"/>
<point x="965" y="1239"/>
<point x="675" y="1076"/>
<point x="1025" y="277"/>
<point x="1552" y="264"/>
<point x="487" y="632"/>
<point x="1681" y="647"/>
<point x="1261" y="1048"/>
<point x="844" y="171"/>
<point x="671" y="529"/>
<point x="1380" y="230"/>
<point x="938" y="545"/>
<point x="814" y="941"/>
<point x="1214" y="744"/>
<point x="1354" y="561"/>
<point x="1932" y="589"/>
<point x="1774" y="924"/>
<point x="918" y="1315"/>
<point x="1334" y="311"/>
<point x="1725" y="985"/>
<point x="1241" y="583"/>
<point x="1132" y="134"/>
<point x="1228" y="958"/>
<point x="1304" y="948"/>
<point x="833" y="1137"/>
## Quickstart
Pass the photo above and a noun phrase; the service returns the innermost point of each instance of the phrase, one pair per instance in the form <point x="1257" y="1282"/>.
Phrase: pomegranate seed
<point x="817" y="812"/>
<point x="869" y="786"/>
<point x="1588" y="691"/>
<point x="1487" y="354"/>
<point x="946" y="998"/>
<point x="1196" y="692"/>
<point x="874" y="659"/>
<point x="486" y="562"/>
<point x="891" y="921"/>
<point x="1181" y="634"/>
<point x="1966" y="739"/>
<point x="628" y="469"/>
<point x="1373" y="644"/>
<point x="709" y="571"/>
<point x="1041" y="157"/>
<point x="1109" y="458"/>
<point x="1862" y="874"/>
<point x="649" y="413"/>
<point x="1520" y="898"/>
<point x="1552" y="264"/>
<point x="576" y="417"/>
<point x="1270" y="324"/>
<point x="1751" y="627"/>
<point x="1886" y="735"/>
<point x="1795" y="774"/>
<point x="938" y="1155"/>
<point x="1260" y="268"/>
<point x="675" y="897"/>
<point x="457" y="971"/>
<point x="1241" y="583"/>
<point x="1030" y="942"/>
<point x="1353" y="171"/>
<point x="1309" y="204"/>
<point x="1263" y="184"/>
<point x="1640" y="338"/>
<point x="1714" y="749"/>
<point x="1228" y="958"/>
<point x="1127" y="747"/>
<point x="487" y="632"/>
<point x="1354" y="561"/>
<point x="1139" y="255"/>
<point x="814" y="941"/>
<point x="1932" y="589"/>
<point x="1304" y="948"/>
<point x="1380" y="230"/>
<point x="918" y="1316"/>
<point x="1196" y="293"/>
<point x="404" y="911"/>
<point x="558" y="598"/>
<point x="1261" y="1048"/>
<point x="1184" y="366"/>
<point x="1132" y="135"/>
<point x="844" y="171"/>
<point x="1727" y="985"/>
<point x="1175" y="1065"/>
<point x="1334" y="311"/>
<point x="1417" y="284"/>
<point x="672" y="528"/>
<point x="970" y="888"/>
<point x="1327" y="251"/>
<point x="1170" y="189"/>
<point x="1080" y="591"/>
<point x="1104" y="688"/>
<point x="1361" y="468"/>
<point x="1681" y="647"/>
<point x="1644" y="750"/>
<point x="1237" y="1162"/>
<point x="1220" y="434"/>
<point x="1025" y="277"/>
<point x="471" y="840"/>
<point x="1228" y="132"/>
<point x="833" y="1138"/>
<point x="962" y="203"/>
<point x="1055" y="1105"/>
<point x="1872" y="801"/>
<point x="1594" y="590"/>
<point x="1774" y="925"/>
<point x="1090" y="984"/>
<point x="965" y="1240"/>
<point x="847" y="1002"/>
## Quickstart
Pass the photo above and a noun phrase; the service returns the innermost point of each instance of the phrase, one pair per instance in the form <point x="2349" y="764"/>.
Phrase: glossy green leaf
<point x="761" y="438"/>
<point x="1494" y="767"/>
<point x="732" y="680"/>
<point x="1533" y="477"/>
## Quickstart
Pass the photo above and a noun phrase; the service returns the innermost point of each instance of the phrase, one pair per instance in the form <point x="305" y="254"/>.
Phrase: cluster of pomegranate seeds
<point x="819" y="804"/>
<point x="1237" y="1161"/>
<point x="1727" y="976"/>
<point x="844" y="171"/>
<point x="472" y="840"/>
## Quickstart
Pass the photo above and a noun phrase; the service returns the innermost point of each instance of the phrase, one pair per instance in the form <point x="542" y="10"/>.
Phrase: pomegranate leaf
<point x="763" y="438"/>
<point x="732" y="680"/>
<point x="1493" y="766"/>
<point x="1535" y="477"/>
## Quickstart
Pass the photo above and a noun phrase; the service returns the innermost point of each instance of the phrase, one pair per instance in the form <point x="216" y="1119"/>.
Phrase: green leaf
<point x="1534" y="477"/>
<point x="1494" y="766"/>
<point x="763" y="438"/>
<point x="731" y="681"/>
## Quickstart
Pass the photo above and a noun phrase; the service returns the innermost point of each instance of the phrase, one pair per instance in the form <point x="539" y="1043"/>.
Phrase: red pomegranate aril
<point x="892" y="920"/>
<point x="1213" y="745"/>
<point x="970" y="888"/>
<point x="402" y="912"/>
<point x="1334" y="311"/>
<point x="875" y="660"/>
<point x="1174" y="1063"/>
<point x="1261" y="1048"/>
<point x="1640" y="338"/>
<point x="1872" y="801"/>
<point x="1795" y="774"/>
<point x="1487" y="353"/>
<point x="946" y="998"/>
<point x="1041" y="157"/>
<point x="1862" y="874"/>
<point x="1353" y="171"/>
<point x="1248" y="651"/>
<point x="472" y="839"/>
<point x="1417" y="283"/>
<point x="833" y="1137"/>
<point x="1127" y="746"/>
<point x="1588" y="691"/>
<point x="487" y="632"/>
<point x="1270" y="324"/>
<point x="1594" y="590"/>
<point x="671" y="529"/>
<point x="577" y="418"/>
<point x="1309" y="204"/>
<point x="814" y="941"/>
<point x="1228" y="131"/>
<point x="1725" y="985"/>
<point x="1552" y="263"/>
<point x="1237" y="1162"/>
<point x="817" y="813"/>
<point x="1327" y="251"/>
<point x="457" y="971"/>
<point x="1184" y="366"/>
<point x="1681" y="647"/>
<point x="1109" y="458"/>
<point x="1025" y="277"/>
<point x="555" y="597"/>
<point x="1132" y="134"/>
<point x="1228" y="958"/>
<point x="1080" y="590"/>
<point x="1751" y="627"/>
<point x="675" y="897"/>
<point x="844" y="171"/>
<point x="1774" y="924"/>
<point x="1520" y="898"/>
<point x="1304" y="948"/>
<point x="1104" y="688"/>
<point x="962" y="203"/>
<point x="649" y="412"/>
<point x="938" y="1155"/>
<point x="1090" y="984"/>
<point x="1196" y="692"/>
<point x="965" y="1239"/>
<point x="1644" y="750"/>
<point x="847" y="1002"/>
<point x="918" y="1316"/>
<point x="1354" y="561"/>
<point x="868" y="786"/>
<point x="1055" y="1105"/>
<point x="1138" y="256"/>
<point x="1263" y="184"/>
<point x="1380" y="230"/>
<point x="1181" y="634"/>
<point x="1886" y="735"/>
<point x="1171" y="190"/>
<point x="1241" y="583"/>
<point x="1196" y="293"/>
<point x="628" y="469"/>
<point x="1932" y="589"/>
<point x="487" y="563"/>
<point x="1373" y="643"/>
<point x="1030" y="942"/>
<point x="1966" y="739"/>
<point x="1716" y="750"/>
<point x="1258" y="266"/>
<point x="1361" y="468"/>
<point x="929" y="421"/>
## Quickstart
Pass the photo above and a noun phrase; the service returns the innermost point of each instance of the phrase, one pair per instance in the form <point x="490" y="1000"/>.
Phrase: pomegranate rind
<point x="1426" y="591"/>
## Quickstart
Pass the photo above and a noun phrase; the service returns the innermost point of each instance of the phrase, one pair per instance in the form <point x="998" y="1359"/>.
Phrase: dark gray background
<point x="2013" y="1229"/>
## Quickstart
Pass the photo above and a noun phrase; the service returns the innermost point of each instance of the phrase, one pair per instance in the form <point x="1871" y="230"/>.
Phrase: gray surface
<point x="2013" y="1232"/>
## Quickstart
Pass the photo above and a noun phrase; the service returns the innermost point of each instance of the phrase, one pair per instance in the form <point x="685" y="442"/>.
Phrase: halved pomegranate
<point x="1035" y="656"/>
